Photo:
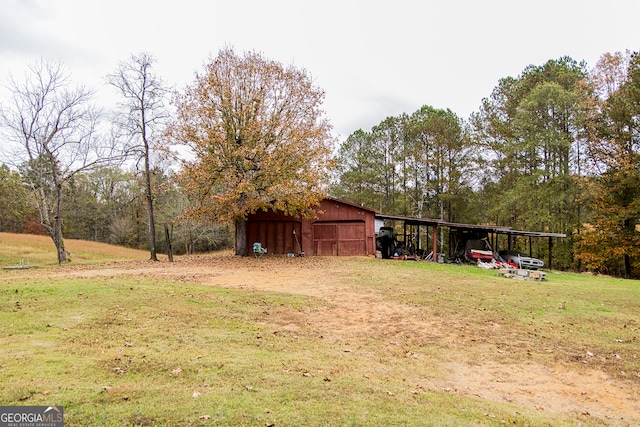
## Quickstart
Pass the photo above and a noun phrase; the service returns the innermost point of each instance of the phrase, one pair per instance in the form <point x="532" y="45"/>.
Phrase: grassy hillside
<point x="28" y="249"/>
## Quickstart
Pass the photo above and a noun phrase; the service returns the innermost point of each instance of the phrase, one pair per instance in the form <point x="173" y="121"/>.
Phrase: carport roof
<point x="501" y="230"/>
<point x="532" y="233"/>
<point x="459" y="226"/>
<point x="410" y="220"/>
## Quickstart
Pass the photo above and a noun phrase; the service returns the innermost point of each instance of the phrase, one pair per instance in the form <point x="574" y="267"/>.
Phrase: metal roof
<point x="459" y="226"/>
<point x="411" y="220"/>
<point x="533" y="233"/>
<point x="355" y="205"/>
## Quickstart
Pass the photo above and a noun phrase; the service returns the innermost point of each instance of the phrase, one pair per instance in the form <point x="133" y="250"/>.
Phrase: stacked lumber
<point x="522" y="274"/>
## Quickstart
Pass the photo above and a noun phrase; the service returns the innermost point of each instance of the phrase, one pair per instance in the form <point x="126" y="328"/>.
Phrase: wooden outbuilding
<point x="340" y="229"/>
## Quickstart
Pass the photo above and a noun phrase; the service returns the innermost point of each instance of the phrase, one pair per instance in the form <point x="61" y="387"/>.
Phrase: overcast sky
<point x="373" y="58"/>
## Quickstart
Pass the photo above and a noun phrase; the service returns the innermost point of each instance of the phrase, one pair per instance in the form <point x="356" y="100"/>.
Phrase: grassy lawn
<point x="143" y="350"/>
<point x="570" y="315"/>
<point x="189" y="356"/>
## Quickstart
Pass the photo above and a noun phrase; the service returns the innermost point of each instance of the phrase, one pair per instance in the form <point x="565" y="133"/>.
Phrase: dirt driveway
<point x="347" y="314"/>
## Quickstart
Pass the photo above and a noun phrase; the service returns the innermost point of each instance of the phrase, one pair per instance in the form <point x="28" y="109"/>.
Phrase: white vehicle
<point x="521" y="261"/>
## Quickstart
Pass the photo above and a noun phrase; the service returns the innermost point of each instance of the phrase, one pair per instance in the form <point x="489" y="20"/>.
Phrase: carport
<point x="413" y="226"/>
<point x="530" y="235"/>
<point x="492" y="232"/>
<point x="458" y="231"/>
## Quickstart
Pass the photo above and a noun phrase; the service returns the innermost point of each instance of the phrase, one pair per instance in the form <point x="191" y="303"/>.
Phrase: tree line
<point x="555" y="149"/>
<point x="109" y="205"/>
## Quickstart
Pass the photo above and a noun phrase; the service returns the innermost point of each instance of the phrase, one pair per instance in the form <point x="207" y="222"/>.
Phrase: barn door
<point x="339" y="238"/>
<point x="325" y="239"/>
<point x="351" y="239"/>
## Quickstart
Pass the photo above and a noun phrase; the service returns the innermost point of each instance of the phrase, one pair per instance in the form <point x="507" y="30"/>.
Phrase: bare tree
<point x="144" y="95"/>
<point x="52" y="128"/>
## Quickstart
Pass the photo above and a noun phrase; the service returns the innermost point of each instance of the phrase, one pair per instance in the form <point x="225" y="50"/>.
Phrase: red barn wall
<point x="340" y="229"/>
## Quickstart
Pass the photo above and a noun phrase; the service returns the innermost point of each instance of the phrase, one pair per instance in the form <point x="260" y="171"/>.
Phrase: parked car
<point x="478" y="250"/>
<point x="520" y="260"/>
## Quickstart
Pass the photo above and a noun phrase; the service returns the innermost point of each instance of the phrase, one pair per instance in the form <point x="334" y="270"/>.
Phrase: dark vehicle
<point x="386" y="242"/>
<point x="390" y="247"/>
<point x="521" y="261"/>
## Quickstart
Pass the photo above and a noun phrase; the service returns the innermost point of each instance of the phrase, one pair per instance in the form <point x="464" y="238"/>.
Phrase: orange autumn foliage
<point x="259" y="137"/>
<point x="612" y="189"/>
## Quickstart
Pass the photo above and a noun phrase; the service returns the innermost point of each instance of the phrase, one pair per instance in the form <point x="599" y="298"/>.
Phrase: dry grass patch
<point x="32" y="250"/>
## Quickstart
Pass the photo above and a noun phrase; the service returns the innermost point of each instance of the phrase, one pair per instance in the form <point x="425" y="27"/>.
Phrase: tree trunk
<point x="152" y="223"/>
<point x="57" y="228"/>
<point x="627" y="267"/>
<point x="241" y="237"/>
<point x="167" y="235"/>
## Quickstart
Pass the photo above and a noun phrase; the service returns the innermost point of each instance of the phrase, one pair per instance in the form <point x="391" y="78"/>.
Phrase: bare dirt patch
<point x="353" y="315"/>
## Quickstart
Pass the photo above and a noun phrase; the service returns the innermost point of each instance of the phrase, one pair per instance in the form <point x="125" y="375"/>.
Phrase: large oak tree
<point x="259" y="137"/>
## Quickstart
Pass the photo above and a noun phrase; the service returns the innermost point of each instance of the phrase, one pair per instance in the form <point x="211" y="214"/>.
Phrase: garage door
<point x="339" y="238"/>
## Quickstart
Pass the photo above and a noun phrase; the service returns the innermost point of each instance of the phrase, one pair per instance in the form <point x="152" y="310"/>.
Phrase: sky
<point x="374" y="59"/>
